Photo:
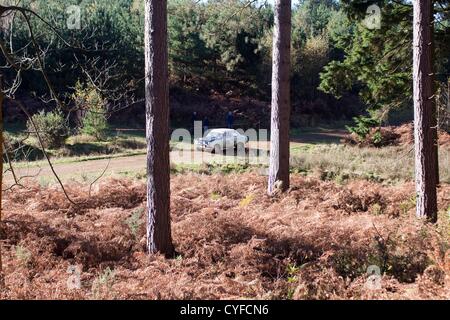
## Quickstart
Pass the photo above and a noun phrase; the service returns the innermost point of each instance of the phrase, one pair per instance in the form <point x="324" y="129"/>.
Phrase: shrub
<point x="17" y="149"/>
<point x="129" y="143"/>
<point x="368" y="132"/>
<point x="23" y="255"/>
<point x="51" y="126"/>
<point x="134" y="222"/>
<point x="93" y="109"/>
<point x="10" y="142"/>
<point x="362" y="126"/>
<point x="103" y="284"/>
<point x="376" y="137"/>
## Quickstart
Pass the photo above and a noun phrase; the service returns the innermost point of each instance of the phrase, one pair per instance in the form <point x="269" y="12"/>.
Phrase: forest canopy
<point x="225" y="47"/>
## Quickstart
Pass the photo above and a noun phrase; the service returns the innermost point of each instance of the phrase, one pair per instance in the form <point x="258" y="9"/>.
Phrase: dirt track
<point x="119" y="165"/>
<point x="122" y="165"/>
<point x="73" y="169"/>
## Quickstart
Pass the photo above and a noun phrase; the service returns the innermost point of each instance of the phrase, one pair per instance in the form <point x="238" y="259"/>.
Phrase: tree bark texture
<point x="1" y="174"/>
<point x="425" y="158"/>
<point x="281" y="108"/>
<point x="159" y="239"/>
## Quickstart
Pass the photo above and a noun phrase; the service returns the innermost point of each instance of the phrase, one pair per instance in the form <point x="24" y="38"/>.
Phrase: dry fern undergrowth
<point x="315" y="242"/>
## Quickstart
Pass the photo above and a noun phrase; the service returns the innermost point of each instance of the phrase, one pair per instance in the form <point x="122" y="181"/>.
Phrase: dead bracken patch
<point x="112" y="194"/>
<point x="393" y="135"/>
<point x="351" y="201"/>
<point x="232" y="241"/>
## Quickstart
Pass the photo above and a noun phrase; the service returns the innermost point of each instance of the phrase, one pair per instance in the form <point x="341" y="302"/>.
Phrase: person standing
<point x="205" y="124"/>
<point x="193" y="119"/>
<point x="230" y="120"/>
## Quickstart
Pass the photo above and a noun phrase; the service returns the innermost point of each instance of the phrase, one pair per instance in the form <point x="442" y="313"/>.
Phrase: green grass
<point x="212" y="168"/>
<point x="328" y="161"/>
<point x="300" y="148"/>
<point x="86" y="146"/>
<point x="83" y="148"/>
<point x="341" y="162"/>
<point x="60" y="160"/>
<point x="322" y="127"/>
<point x="80" y="148"/>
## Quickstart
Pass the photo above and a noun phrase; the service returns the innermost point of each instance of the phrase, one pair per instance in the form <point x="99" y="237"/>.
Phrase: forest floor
<point x="349" y="210"/>
<point x="317" y="241"/>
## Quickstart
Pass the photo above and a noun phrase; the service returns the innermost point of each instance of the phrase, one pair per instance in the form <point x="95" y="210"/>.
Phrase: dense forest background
<point x="222" y="48"/>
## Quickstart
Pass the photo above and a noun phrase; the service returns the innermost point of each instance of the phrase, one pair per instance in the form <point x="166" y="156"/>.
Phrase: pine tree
<point x="424" y="111"/>
<point x="1" y="172"/>
<point x="279" y="127"/>
<point x="159" y="239"/>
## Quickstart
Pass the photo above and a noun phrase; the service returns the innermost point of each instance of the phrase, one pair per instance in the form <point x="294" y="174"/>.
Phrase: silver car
<point x="218" y="140"/>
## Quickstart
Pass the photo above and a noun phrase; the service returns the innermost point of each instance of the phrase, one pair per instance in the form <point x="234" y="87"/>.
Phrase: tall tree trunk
<point x="279" y="126"/>
<point x="425" y="158"/>
<point x="1" y="175"/>
<point x="159" y="237"/>
<point x="434" y="119"/>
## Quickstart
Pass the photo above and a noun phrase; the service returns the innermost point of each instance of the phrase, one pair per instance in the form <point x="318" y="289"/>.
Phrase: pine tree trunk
<point x="159" y="239"/>
<point x="1" y="175"/>
<point x="425" y="158"/>
<point x="279" y="126"/>
<point x="434" y="119"/>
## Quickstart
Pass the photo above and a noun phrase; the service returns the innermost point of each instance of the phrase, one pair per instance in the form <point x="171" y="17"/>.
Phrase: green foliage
<point x="218" y="46"/>
<point x="18" y="150"/>
<point x="376" y="209"/>
<point x="377" y="63"/>
<point x="377" y="138"/>
<point x="102" y="285"/>
<point x="187" y="49"/>
<point x="134" y="221"/>
<point x="292" y="270"/>
<point x="310" y="45"/>
<point x="215" y="196"/>
<point x="213" y="45"/>
<point x="113" y="29"/>
<point x="88" y="100"/>
<point x="367" y="131"/>
<point x="233" y="36"/>
<point x="248" y="199"/>
<point x="23" y="255"/>
<point x="311" y="18"/>
<point x="51" y="127"/>
<point x="228" y="168"/>
<point x="362" y="126"/>
<point x="408" y="204"/>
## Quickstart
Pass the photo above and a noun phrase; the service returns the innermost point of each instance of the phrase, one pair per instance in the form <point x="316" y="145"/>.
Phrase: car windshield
<point x="213" y="136"/>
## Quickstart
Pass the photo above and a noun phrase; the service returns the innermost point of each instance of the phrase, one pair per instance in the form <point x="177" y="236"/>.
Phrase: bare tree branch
<point x="47" y="157"/>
